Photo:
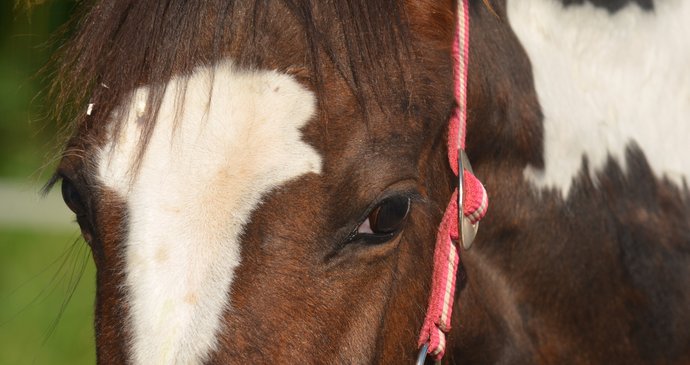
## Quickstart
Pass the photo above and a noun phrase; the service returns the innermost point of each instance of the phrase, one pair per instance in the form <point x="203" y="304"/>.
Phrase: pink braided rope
<point x="475" y="203"/>
<point x="446" y="259"/>
<point x="461" y="53"/>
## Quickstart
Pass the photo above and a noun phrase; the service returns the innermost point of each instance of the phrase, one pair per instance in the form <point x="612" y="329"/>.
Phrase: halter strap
<point x="472" y="201"/>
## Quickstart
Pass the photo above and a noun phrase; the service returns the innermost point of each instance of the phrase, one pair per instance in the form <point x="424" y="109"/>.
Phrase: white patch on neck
<point x="193" y="195"/>
<point x="606" y="80"/>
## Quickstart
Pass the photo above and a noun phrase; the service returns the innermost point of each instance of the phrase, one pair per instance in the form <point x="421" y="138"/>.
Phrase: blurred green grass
<point x="27" y="40"/>
<point x="38" y="263"/>
<point x="38" y="271"/>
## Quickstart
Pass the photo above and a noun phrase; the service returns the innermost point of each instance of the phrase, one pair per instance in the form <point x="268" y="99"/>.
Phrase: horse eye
<point x="387" y="218"/>
<point x="71" y="197"/>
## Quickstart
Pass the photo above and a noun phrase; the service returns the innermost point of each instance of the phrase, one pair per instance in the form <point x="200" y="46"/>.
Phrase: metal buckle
<point x="467" y="230"/>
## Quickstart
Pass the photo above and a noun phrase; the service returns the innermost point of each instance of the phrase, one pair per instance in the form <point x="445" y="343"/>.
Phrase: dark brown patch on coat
<point x="600" y="277"/>
<point x="613" y="6"/>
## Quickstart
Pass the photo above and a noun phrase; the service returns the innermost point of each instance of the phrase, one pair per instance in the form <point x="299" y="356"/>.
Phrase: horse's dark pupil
<point x="71" y="196"/>
<point x="389" y="215"/>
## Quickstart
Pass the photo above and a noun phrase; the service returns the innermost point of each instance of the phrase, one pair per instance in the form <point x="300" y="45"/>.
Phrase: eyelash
<point x="374" y="238"/>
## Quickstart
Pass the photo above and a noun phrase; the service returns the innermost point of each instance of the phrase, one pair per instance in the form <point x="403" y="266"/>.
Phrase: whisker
<point x="77" y="272"/>
<point x="64" y="254"/>
<point x="48" y="289"/>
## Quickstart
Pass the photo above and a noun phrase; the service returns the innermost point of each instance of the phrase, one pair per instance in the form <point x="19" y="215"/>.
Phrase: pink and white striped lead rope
<point x="475" y="203"/>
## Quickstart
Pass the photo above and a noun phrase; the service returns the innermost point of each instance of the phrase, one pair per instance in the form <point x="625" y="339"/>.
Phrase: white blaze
<point x="605" y="80"/>
<point x="193" y="195"/>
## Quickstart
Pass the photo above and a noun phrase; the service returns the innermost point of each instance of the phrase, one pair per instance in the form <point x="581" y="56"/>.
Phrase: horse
<point x="263" y="181"/>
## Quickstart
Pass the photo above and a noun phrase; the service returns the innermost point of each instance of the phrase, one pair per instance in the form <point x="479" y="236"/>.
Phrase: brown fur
<point x="547" y="281"/>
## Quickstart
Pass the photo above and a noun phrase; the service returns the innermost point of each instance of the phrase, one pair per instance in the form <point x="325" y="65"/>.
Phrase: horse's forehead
<point x="237" y="136"/>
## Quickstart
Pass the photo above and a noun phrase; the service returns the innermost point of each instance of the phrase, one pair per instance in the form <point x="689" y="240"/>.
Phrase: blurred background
<point x="47" y="284"/>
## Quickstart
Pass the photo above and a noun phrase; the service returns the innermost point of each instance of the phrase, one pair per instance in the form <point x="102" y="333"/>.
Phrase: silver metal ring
<point x="421" y="357"/>
<point x="467" y="230"/>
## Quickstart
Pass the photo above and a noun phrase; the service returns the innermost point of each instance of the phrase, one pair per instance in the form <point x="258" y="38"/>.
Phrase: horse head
<point x="263" y="181"/>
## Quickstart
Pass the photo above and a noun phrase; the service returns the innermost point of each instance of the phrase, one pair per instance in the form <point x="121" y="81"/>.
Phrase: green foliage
<point x="27" y="137"/>
<point x="38" y="273"/>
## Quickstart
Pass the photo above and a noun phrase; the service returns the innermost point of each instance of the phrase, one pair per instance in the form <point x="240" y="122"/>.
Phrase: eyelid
<point x="410" y="194"/>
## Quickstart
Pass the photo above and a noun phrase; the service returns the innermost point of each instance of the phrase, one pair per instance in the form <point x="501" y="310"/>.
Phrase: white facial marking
<point x="193" y="195"/>
<point x="605" y="80"/>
